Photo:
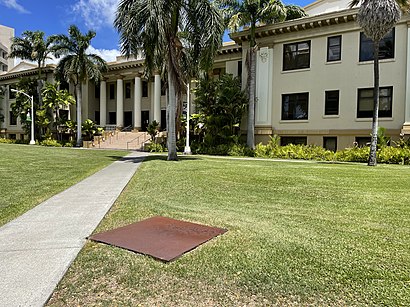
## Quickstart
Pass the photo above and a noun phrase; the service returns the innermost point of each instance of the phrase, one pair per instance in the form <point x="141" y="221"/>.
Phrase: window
<point x="97" y="117"/>
<point x="97" y="91"/>
<point x="127" y="90"/>
<point x="64" y="85"/>
<point x="12" y="95"/>
<point x="330" y="143"/>
<point x="332" y="103"/>
<point x="63" y="115"/>
<point x="334" y="48"/>
<point x="295" y="106"/>
<point x="112" y="91"/>
<point x="296" y="140"/>
<point x="13" y="119"/>
<point x="363" y="141"/>
<point x="386" y="50"/>
<point x="112" y="118"/>
<point x="144" y="89"/>
<point x="365" y="102"/>
<point x="296" y="55"/>
<point x="240" y="70"/>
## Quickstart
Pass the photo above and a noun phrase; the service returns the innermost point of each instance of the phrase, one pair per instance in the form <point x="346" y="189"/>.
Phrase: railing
<point x="146" y="139"/>
<point x="127" y="129"/>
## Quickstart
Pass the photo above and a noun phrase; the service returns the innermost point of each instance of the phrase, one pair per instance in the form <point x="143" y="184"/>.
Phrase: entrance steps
<point x="122" y="140"/>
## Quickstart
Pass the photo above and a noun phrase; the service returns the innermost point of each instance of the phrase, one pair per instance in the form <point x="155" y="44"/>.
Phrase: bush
<point x="50" y="143"/>
<point x="155" y="147"/>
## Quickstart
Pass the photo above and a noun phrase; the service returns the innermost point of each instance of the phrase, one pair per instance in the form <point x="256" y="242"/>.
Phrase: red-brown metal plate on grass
<point x="160" y="237"/>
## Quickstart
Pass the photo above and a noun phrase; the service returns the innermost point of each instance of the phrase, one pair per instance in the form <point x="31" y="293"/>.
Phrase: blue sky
<point x="55" y="16"/>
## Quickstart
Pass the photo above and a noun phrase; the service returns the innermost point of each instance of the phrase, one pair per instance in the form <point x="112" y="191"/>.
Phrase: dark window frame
<point x="366" y="47"/>
<point x="293" y="99"/>
<point x="327" y="138"/>
<point x="127" y="90"/>
<point x="295" y="140"/>
<point x="112" y="91"/>
<point x="339" y="45"/>
<point x="296" y="56"/>
<point x="329" y="109"/>
<point x="12" y="119"/>
<point x="369" y="113"/>
<point x="144" y="88"/>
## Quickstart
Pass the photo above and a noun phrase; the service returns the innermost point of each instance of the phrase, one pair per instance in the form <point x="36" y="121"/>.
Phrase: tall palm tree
<point x="250" y="13"/>
<point x="34" y="47"/>
<point x="154" y="27"/>
<point x="377" y="18"/>
<point x="77" y="65"/>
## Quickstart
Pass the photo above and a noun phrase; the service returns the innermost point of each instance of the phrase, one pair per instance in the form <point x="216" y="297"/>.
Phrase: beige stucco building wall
<point x="6" y="34"/>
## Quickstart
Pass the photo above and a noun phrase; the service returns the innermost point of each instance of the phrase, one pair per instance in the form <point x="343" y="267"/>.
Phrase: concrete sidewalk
<point x="37" y="248"/>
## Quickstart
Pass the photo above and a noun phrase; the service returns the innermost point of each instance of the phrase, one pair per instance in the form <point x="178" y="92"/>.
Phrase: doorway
<point x="144" y="120"/>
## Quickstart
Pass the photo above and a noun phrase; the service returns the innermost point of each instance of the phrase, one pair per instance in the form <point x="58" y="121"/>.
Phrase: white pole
<point x="187" y="150"/>
<point x="32" y="141"/>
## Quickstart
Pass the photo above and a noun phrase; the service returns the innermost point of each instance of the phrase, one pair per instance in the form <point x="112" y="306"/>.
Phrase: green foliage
<point x="153" y="129"/>
<point x="222" y="104"/>
<point x="155" y="147"/>
<point x="50" y="143"/>
<point x="382" y="139"/>
<point x="403" y="142"/>
<point x="89" y="129"/>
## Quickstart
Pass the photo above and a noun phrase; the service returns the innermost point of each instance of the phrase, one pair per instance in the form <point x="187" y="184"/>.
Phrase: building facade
<point x="314" y="82"/>
<point x="6" y="34"/>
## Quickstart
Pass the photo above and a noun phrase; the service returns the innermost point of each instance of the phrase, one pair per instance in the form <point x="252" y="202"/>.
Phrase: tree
<point x="55" y="99"/>
<point x="77" y="65"/>
<point x="377" y="18"/>
<point x="250" y="13"/>
<point x="33" y="47"/>
<point x="222" y="104"/>
<point x="153" y="28"/>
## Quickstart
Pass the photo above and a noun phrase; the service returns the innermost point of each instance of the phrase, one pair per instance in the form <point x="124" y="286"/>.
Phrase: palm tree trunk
<point x="252" y="90"/>
<point x="376" y="96"/>
<point x="171" y="140"/>
<point x="78" y="107"/>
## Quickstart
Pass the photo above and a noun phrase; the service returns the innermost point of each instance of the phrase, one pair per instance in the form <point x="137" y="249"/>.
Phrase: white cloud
<point x="96" y="13"/>
<point x="12" y="4"/>
<point x="109" y="55"/>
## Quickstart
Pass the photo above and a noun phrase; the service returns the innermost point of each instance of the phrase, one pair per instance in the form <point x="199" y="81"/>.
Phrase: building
<point x="6" y="34"/>
<point x="314" y="82"/>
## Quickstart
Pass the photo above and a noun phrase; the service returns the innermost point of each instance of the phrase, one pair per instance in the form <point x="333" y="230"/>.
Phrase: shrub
<point x="155" y="147"/>
<point x="50" y="143"/>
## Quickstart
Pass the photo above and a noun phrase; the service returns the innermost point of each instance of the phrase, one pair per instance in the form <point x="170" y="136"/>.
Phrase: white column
<point x="103" y="103"/>
<point x="137" y="103"/>
<point x="407" y="102"/>
<point x="264" y="72"/>
<point x="187" y="150"/>
<point x="84" y="102"/>
<point x="120" y="102"/>
<point x="157" y="97"/>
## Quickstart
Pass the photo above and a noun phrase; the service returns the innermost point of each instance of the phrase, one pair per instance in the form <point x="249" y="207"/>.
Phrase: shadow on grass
<point x="151" y="158"/>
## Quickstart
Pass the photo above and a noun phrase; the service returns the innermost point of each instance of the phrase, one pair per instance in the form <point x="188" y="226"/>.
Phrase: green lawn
<point x="31" y="174"/>
<point x="299" y="234"/>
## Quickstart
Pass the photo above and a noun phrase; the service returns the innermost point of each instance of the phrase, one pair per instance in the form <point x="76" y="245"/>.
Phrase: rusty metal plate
<point x="160" y="237"/>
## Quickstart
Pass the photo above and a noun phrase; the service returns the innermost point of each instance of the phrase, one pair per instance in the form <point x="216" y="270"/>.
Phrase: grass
<point x="30" y="175"/>
<point x="299" y="234"/>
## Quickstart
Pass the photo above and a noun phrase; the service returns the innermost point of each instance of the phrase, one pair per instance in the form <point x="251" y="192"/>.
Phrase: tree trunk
<point x="78" y="107"/>
<point x="171" y="140"/>
<point x="252" y="90"/>
<point x="376" y="96"/>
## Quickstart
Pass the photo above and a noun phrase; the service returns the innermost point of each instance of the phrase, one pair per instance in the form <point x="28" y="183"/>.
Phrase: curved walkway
<point x="37" y="248"/>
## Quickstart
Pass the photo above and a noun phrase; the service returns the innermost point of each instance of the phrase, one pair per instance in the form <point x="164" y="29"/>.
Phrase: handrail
<point x="137" y="138"/>
<point x="126" y="129"/>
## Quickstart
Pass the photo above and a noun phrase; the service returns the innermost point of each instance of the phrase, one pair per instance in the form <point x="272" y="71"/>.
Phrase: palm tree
<point x="154" y="28"/>
<point x="77" y="66"/>
<point x="33" y="47"/>
<point x="377" y="18"/>
<point x="250" y="13"/>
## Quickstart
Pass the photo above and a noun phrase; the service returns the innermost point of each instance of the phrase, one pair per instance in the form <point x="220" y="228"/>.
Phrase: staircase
<point x="122" y="140"/>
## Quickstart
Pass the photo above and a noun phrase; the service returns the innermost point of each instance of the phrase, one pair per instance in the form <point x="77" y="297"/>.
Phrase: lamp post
<point x="32" y="141"/>
<point x="187" y="150"/>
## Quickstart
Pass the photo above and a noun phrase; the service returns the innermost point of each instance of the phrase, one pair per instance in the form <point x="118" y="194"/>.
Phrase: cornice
<point x="301" y="24"/>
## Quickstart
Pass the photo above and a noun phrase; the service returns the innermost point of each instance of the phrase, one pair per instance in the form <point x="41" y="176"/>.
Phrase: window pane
<point x="334" y="48"/>
<point x="365" y="102"/>
<point x="296" y="55"/>
<point x="295" y="106"/>
<point x="331" y="102"/>
<point x="386" y="50"/>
